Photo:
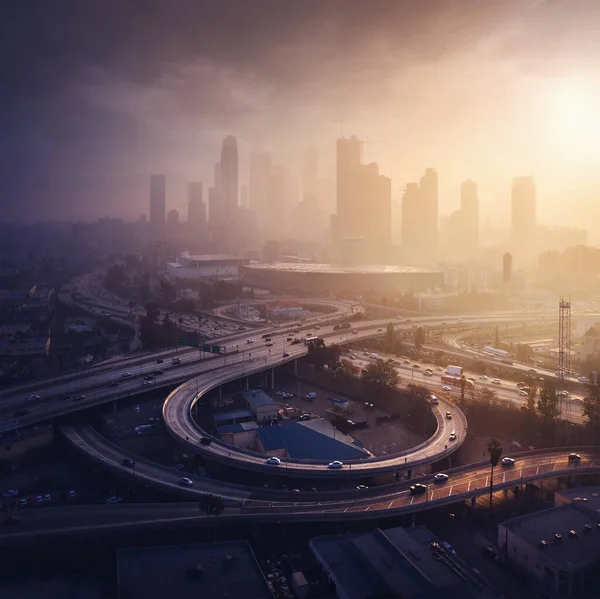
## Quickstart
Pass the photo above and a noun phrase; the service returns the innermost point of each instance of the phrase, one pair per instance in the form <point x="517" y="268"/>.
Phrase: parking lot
<point x="380" y="438"/>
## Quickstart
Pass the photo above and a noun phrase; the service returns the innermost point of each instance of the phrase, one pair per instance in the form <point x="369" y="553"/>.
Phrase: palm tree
<point x="211" y="504"/>
<point x="494" y="448"/>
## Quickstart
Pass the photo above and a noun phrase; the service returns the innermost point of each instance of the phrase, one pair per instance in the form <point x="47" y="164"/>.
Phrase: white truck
<point x="454" y="370"/>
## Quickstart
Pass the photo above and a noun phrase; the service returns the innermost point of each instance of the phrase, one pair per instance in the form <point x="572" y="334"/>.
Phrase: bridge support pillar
<point x="295" y="367"/>
<point x="220" y="395"/>
<point x="247" y="383"/>
<point x="272" y="378"/>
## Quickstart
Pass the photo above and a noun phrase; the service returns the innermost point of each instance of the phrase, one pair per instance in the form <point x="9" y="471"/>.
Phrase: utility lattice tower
<point x="564" y="363"/>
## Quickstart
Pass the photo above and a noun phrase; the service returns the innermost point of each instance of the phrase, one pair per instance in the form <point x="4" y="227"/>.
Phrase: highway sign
<point x="213" y="349"/>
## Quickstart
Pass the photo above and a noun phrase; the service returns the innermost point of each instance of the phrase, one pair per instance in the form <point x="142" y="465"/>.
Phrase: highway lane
<point x="464" y="482"/>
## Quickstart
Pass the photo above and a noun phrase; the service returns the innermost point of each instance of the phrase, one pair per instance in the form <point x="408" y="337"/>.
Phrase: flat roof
<point x="238" y="427"/>
<point x="579" y="551"/>
<point x="12" y="329"/>
<point x="396" y="560"/>
<point x="228" y="570"/>
<point x="258" y="398"/>
<point x="311" y="440"/>
<point x="372" y="269"/>
<point x="586" y="497"/>
<point x="232" y="415"/>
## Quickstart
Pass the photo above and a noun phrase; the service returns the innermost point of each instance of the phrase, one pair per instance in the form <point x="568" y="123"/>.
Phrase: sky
<point x="96" y="96"/>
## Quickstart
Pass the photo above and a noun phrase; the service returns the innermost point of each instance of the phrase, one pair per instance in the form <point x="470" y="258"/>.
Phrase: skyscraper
<point x="229" y="176"/>
<point x="469" y="207"/>
<point x="196" y="213"/>
<point x="172" y="225"/>
<point x="348" y="156"/>
<point x="523" y="206"/>
<point x="157" y="207"/>
<point x="429" y="210"/>
<point x="411" y="216"/>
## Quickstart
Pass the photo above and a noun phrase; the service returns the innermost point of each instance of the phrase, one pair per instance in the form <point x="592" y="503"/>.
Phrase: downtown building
<point x="157" y="224"/>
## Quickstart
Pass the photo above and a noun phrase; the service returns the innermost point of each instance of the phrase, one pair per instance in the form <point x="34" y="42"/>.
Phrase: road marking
<point x="469" y="487"/>
<point x="450" y="492"/>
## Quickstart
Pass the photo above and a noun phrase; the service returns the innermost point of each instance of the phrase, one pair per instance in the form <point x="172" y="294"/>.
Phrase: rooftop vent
<point x="543" y="544"/>
<point x="557" y="537"/>
<point x="573" y="534"/>
<point x="587" y="528"/>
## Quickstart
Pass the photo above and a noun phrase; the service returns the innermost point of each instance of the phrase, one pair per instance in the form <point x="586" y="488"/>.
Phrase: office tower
<point x="523" y="202"/>
<point x="375" y="213"/>
<point x="411" y="216"/>
<point x="244" y="197"/>
<point x="172" y="225"/>
<point x="507" y="264"/>
<point x="469" y="207"/>
<point x="276" y="204"/>
<point x="196" y="209"/>
<point x="309" y="177"/>
<point x="348" y="161"/>
<point x="229" y="176"/>
<point x="429" y="210"/>
<point x="157" y="207"/>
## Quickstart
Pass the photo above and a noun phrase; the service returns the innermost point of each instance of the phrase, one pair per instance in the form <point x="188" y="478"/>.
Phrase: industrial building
<point x="262" y="405"/>
<point x="194" y="267"/>
<point x="211" y="570"/>
<point x="313" y="439"/>
<point x="322" y="279"/>
<point x="559" y="546"/>
<point x="404" y="562"/>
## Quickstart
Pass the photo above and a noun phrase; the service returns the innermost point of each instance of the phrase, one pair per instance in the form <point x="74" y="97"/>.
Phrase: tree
<point x="548" y="406"/>
<point x="494" y="449"/>
<point x="485" y="396"/>
<point x="531" y="395"/>
<point x="321" y="355"/>
<point x="463" y="385"/>
<point x="419" y="390"/>
<point x="381" y="374"/>
<point x="347" y="368"/>
<point x="211" y="504"/>
<point x="419" y="338"/>
<point x="390" y="337"/>
<point x="591" y="409"/>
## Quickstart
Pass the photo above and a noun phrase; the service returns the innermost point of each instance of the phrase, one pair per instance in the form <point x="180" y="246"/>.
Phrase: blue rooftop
<point x="233" y="415"/>
<point x="258" y="398"/>
<point x="309" y="442"/>
<point x="237" y="427"/>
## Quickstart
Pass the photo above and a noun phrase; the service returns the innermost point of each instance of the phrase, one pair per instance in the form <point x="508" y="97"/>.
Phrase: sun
<point x="574" y="121"/>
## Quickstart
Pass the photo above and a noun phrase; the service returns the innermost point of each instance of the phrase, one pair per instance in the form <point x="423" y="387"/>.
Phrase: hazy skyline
<point x="110" y="94"/>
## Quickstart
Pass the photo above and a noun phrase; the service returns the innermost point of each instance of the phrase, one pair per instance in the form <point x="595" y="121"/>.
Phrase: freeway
<point x="128" y="373"/>
<point x="392" y="500"/>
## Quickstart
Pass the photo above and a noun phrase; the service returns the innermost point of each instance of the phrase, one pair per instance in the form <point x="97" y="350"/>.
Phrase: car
<point x="448" y="416"/>
<point x="113" y="384"/>
<point x="427" y="373"/>
<point x="39" y="499"/>
<point x="286" y="355"/>
<point x="126" y="375"/>
<point x="186" y="482"/>
<point x="506" y="461"/>
<point x="523" y="393"/>
<point x="269" y="344"/>
<point x="564" y="393"/>
<point x="489" y="552"/>
<point x="268" y="339"/>
<point x="72" y="494"/>
<point x="32" y="397"/>
<point x="147" y="382"/>
<point x="273" y="461"/>
<point x="127" y="462"/>
<point x="362" y="487"/>
<point x="448" y="547"/>
<point x="496" y="382"/>
<point x="447" y="388"/>
<point x="66" y="397"/>
<point x="159" y="360"/>
<point x="521" y="385"/>
<point x="47" y="497"/>
<point x="281" y="393"/>
<point x="354" y="332"/>
<point x="22" y="502"/>
<point x="452" y="436"/>
<point x="249" y="341"/>
<point x="483" y="377"/>
<point x="380" y="330"/>
<point x="440" y="477"/>
<point x="418" y="489"/>
<point x="296" y="490"/>
<point x="574" y="458"/>
<point x="335" y="465"/>
<point x="304" y="417"/>
<point x="318" y="326"/>
<point x="434" y="400"/>
<point x="406" y="362"/>
<point x="373" y="356"/>
<point x="179" y="466"/>
<point x="175" y="361"/>
<point x="158" y="372"/>
<point x="11" y="520"/>
<point x="114" y="499"/>
<point x="21" y="412"/>
<point x="290" y="339"/>
<point x="584" y="379"/>
<point x="10" y="494"/>
<point x="416" y="366"/>
<point x="79" y="397"/>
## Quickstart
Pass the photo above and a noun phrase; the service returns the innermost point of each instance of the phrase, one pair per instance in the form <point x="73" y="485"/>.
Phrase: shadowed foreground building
<point x="209" y="570"/>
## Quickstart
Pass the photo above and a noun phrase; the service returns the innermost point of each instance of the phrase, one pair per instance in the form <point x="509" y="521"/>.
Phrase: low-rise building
<point x="241" y="434"/>
<point x="208" y="570"/>
<point x="559" y="546"/>
<point x="262" y="405"/>
<point x="25" y="346"/>
<point x="404" y="562"/>
<point x="193" y="267"/>
<point x="587" y="498"/>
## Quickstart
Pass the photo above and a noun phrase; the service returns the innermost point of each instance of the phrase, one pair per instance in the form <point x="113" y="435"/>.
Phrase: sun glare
<point x="575" y="122"/>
